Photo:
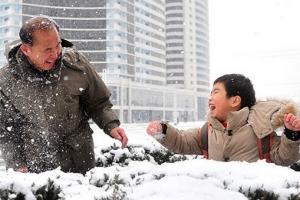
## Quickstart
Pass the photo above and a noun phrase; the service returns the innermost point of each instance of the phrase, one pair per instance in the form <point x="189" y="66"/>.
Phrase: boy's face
<point x="219" y="105"/>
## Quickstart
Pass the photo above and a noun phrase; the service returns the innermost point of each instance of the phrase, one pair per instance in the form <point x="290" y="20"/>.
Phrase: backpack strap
<point x="264" y="146"/>
<point x="203" y="139"/>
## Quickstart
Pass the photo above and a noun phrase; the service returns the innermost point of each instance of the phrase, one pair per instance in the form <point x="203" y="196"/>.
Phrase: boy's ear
<point x="236" y="101"/>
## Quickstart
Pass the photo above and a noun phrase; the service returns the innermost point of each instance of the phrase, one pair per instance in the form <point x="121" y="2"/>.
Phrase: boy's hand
<point x="154" y="127"/>
<point x="292" y="122"/>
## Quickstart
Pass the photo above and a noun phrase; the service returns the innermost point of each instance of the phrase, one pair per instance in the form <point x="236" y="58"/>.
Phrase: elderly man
<point x="48" y="92"/>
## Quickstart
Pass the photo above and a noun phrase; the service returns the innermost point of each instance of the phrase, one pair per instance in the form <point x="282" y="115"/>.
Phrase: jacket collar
<point x="266" y="116"/>
<point x="27" y="72"/>
<point x="235" y="120"/>
<point x="22" y="68"/>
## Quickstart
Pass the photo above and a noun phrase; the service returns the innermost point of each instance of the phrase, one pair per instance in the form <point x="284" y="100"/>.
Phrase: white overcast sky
<point x="260" y="39"/>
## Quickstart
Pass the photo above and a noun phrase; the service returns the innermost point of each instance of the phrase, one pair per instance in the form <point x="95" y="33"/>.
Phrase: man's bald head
<point x="36" y="24"/>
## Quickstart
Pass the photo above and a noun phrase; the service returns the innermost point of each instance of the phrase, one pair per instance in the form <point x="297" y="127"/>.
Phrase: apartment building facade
<point x="127" y="42"/>
<point x="10" y="23"/>
<point x="187" y="48"/>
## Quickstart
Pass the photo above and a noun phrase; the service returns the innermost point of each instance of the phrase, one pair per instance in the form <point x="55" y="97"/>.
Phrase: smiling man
<point x="48" y="92"/>
<point x="42" y="51"/>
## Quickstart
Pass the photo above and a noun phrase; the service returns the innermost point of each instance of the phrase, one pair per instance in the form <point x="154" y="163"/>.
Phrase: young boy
<point x="237" y="121"/>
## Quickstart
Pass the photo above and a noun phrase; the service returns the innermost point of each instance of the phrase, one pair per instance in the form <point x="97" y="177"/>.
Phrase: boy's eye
<point x="214" y="92"/>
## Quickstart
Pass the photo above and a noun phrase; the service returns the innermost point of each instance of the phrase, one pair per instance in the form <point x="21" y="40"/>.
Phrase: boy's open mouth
<point x="212" y="107"/>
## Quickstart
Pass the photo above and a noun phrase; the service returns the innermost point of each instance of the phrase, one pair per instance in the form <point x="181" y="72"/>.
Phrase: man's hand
<point x="154" y="127"/>
<point x="291" y="122"/>
<point x="22" y="169"/>
<point x="119" y="134"/>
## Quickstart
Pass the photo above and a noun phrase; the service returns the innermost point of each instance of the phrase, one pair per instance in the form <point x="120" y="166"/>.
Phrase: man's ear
<point x="236" y="101"/>
<point x="24" y="49"/>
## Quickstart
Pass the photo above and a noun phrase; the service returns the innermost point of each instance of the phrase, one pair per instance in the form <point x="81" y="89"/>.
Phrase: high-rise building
<point x="125" y="41"/>
<point x="187" y="47"/>
<point x="10" y="23"/>
<point x="124" y="37"/>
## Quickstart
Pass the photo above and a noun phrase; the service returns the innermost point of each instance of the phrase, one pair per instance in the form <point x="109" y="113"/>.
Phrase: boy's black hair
<point x="36" y="24"/>
<point x="238" y="85"/>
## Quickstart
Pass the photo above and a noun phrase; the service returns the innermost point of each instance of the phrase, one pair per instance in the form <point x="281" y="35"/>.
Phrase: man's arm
<point x="97" y="105"/>
<point x="11" y="142"/>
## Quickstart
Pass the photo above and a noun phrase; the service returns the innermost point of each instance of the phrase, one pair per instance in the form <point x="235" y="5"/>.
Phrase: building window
<point x="6" y="8"/>
<point x="6" y="19"/>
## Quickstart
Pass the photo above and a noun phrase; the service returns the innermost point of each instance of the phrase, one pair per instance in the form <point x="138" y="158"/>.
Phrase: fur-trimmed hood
<point x="268" y="115"/>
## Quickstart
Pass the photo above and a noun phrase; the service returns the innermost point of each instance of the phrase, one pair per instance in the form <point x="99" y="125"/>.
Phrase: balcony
<point x="10" y="11"/>
<point x="10" y="1"/>
<point x="11" y="23"/>
<point x="9" y="34"/>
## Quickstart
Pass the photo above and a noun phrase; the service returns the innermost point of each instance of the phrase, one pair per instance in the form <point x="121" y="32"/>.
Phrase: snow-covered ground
<point x="145" y="180"/>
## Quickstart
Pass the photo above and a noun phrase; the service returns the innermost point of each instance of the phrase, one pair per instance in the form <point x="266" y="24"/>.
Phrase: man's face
<point x="45" y="50"/>
<point x="219" y="104"/>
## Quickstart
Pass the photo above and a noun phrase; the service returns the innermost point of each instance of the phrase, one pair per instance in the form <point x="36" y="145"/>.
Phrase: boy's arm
<point x="177" y="141"/>
<point x="285" y="150"/>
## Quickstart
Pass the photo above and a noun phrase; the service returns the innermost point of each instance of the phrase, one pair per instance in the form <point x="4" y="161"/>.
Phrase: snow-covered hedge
<point x="136" y="172"/>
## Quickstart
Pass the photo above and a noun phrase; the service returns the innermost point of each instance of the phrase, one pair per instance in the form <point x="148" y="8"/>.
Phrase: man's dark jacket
<point x="44" y="114"/>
